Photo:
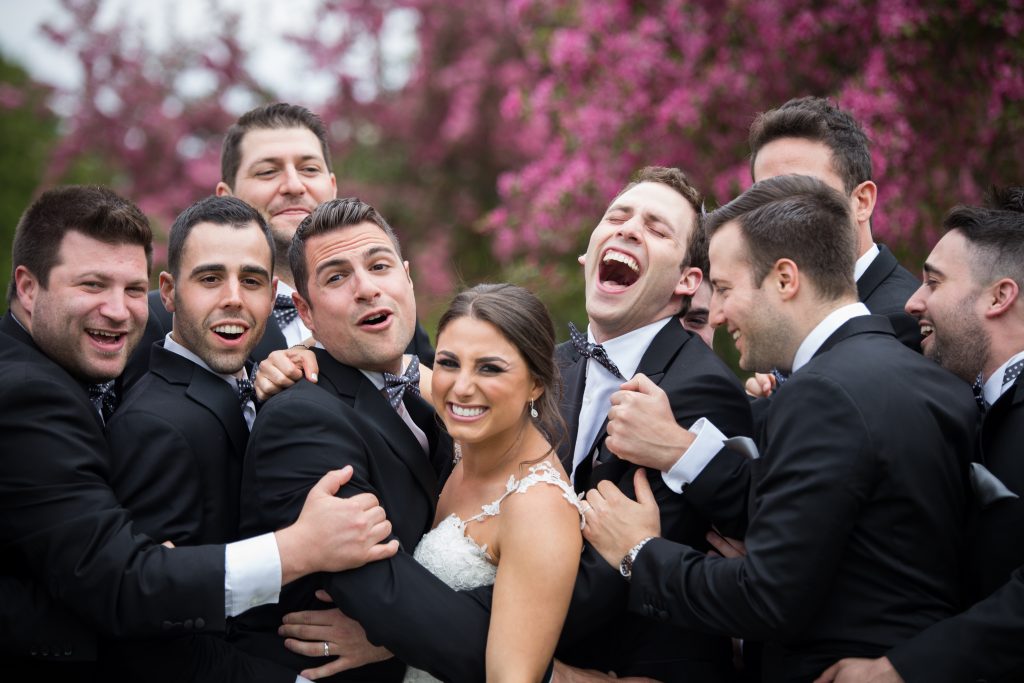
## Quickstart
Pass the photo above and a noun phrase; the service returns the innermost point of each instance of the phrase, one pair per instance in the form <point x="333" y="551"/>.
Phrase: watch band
<point x="626" y="565"/>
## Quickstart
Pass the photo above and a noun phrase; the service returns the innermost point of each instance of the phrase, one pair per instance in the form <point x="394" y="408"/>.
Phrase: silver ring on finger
<point x="327" y="649"/>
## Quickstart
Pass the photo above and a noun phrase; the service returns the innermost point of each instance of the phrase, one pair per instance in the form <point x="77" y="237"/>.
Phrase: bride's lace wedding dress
<point x="455" y="558"/>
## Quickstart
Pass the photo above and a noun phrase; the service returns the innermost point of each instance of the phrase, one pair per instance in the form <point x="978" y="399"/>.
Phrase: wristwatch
<point x="626" y="566"/>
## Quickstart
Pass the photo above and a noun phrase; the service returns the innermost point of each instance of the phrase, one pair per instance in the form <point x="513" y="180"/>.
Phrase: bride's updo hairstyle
<point x="524" y="321"/>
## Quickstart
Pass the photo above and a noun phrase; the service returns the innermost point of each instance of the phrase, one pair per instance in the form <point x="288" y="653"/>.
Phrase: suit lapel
<point x="357" y="390"/>
<point x="877" y="272"/>
<point x="862" y="324"/>
<point x="573" y="369"/>
<point x="206" y="389"/>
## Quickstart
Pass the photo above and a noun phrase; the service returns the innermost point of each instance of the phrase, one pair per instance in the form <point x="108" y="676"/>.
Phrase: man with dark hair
<point x="355" y="294"/>
<point x="972" y="316"/>
<point x="276" y="158"/>
<point x="856" y="498"/>
<point x="642" y="262"/>
<point x="178" y="440"/>
<point x="73" y="565"/>
<point x="811" y="136"/>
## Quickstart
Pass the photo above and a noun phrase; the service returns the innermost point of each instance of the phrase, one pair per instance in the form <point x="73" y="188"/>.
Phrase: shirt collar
<point x="626" y="350"/>
<point x="823" y="330"/>
<point x="284" y="288"/>
<point x="175" y="347"/>
<point x="865" y="261"/>
<point x="377" y="378"/>
<point x="993" y="389"/>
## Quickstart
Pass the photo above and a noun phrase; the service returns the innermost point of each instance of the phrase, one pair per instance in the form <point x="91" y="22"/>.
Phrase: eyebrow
<point x="649" y="216"/>
<point x="220" y="268"/>
<point x="106" y="277"/>
<point x="369" y="253"/>
<point x="278" y="159"/>
<point x="478" y="361"/>
<point x="931" y="270"/>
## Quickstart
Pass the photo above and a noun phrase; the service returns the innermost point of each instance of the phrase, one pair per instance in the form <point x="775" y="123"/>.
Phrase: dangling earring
<point x="533" y="411"/>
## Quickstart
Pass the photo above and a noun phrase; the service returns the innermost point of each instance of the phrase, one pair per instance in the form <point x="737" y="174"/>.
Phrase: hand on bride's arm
<point x="615" y="523"/>
<point x="308" y="632"/>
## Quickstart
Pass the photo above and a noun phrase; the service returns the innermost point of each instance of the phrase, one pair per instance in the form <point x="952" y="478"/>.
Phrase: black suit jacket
<point x="885" y="288"/>
<point x="160" y="321"/>
<point x="856" y="512"/>
<point x="177" y="443"/>
<point x="309" y="429"/>
<point x="985" y="642"/>
<point x="65" y="537"/>
<point x="599" y="632"/>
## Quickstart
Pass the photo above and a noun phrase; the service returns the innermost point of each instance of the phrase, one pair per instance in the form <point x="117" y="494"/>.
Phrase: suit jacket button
<point x="200" y="623"/>
<point x="188" y="624"/>
<point x="662" y="615"/>
<point x="167" y="625"/>
<point x="68" y="651"/>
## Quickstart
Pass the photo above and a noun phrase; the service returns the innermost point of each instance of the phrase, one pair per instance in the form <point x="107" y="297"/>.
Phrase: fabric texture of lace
<point x="454" y="557"/>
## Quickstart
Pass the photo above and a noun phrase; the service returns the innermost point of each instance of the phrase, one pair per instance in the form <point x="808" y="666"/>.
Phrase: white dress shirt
<point x="294" y="332"/>
<point x="625" y="351"/>
<point x="865" y="261"/>
<point x="994" y="388"/>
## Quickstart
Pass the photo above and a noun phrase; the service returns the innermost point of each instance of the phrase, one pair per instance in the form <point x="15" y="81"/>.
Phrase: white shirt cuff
<point x="695" y="458"/>
<point x="252" y="574"/>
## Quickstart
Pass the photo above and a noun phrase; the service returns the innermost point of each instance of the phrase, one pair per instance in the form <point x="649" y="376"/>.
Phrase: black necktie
<point x="284" y="310"/>
<point x="396" y="385"/>
<point x="595" y="351"/>
<point x="104" y="398"/>
<point x="978" y="389"/>
<point x="246" y="392"/>
<point x="1013" y="372"/>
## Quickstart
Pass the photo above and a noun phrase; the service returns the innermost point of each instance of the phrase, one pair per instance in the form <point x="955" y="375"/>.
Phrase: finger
<point x="324" y="596"/>
<point x="331" y="482"/>
<point x="595" y="498"/>
<point x="364" y="501"/>
<point x="379" y="531"/>
<point x="307" y="648"/>
<point x="610" y="493"/>
<point x="753" y="387"/>
<point x="646" y="386"/>
<point x="632" y="384"/>
<point x="336" y="666"/>
<point x="167" y="544"/>
<point x="306" y="633"/>
<point x="581" y="259"/>
<point x="720" y="544"/>
<point x="382" y="551"/>
<point x="310" y="617"/>
<point x="644" y="495"/>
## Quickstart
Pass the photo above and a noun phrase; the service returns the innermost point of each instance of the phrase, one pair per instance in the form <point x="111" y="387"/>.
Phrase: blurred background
<point x="493" y="134"/>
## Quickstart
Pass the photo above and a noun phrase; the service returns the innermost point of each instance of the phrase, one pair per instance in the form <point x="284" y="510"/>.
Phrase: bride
<point x="506" y="515"/>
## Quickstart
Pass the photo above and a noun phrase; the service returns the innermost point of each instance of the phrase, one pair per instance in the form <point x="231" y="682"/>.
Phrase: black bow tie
<point x="104" y="398"/>
<point x="284" y="310"/>
<point x="246" y="392"/>
<point x="595" y="351"/>
<point x="396" y="385"/>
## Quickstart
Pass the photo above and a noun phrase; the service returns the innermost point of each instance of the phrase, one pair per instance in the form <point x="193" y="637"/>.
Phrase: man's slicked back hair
<point x="225" y="210"/>
<point x="329" y="216"/>
<point x="269" y="116"/>
<point x="818" y="120"/>
<point x="798" y="218"/>
<point x="996" y="235"/>
<point x="96" y="212"/>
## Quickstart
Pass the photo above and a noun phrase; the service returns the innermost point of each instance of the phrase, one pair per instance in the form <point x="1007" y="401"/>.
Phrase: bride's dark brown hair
<point x="524" y="321"/>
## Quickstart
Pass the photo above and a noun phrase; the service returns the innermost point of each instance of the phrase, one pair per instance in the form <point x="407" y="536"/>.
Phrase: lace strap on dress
<point x="541" y="473"/>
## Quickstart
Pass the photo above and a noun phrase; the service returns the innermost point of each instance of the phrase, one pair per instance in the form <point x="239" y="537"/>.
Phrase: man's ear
<point x="864" y="197"/>
<point x="304" y="311"/>
<point x="785" y="278"/>
<point x="1001" y="297"/>
<point x="334" y="187"/>
<point x="689" y="281"/>
<point x="408" y="274"/>
<point x="222" y="190"/>
<point x="26" y="288"/>
<point x="167" y="290"/>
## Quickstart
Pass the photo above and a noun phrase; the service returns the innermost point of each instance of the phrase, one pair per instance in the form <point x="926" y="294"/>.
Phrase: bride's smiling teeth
<point x="467" y="411"/>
